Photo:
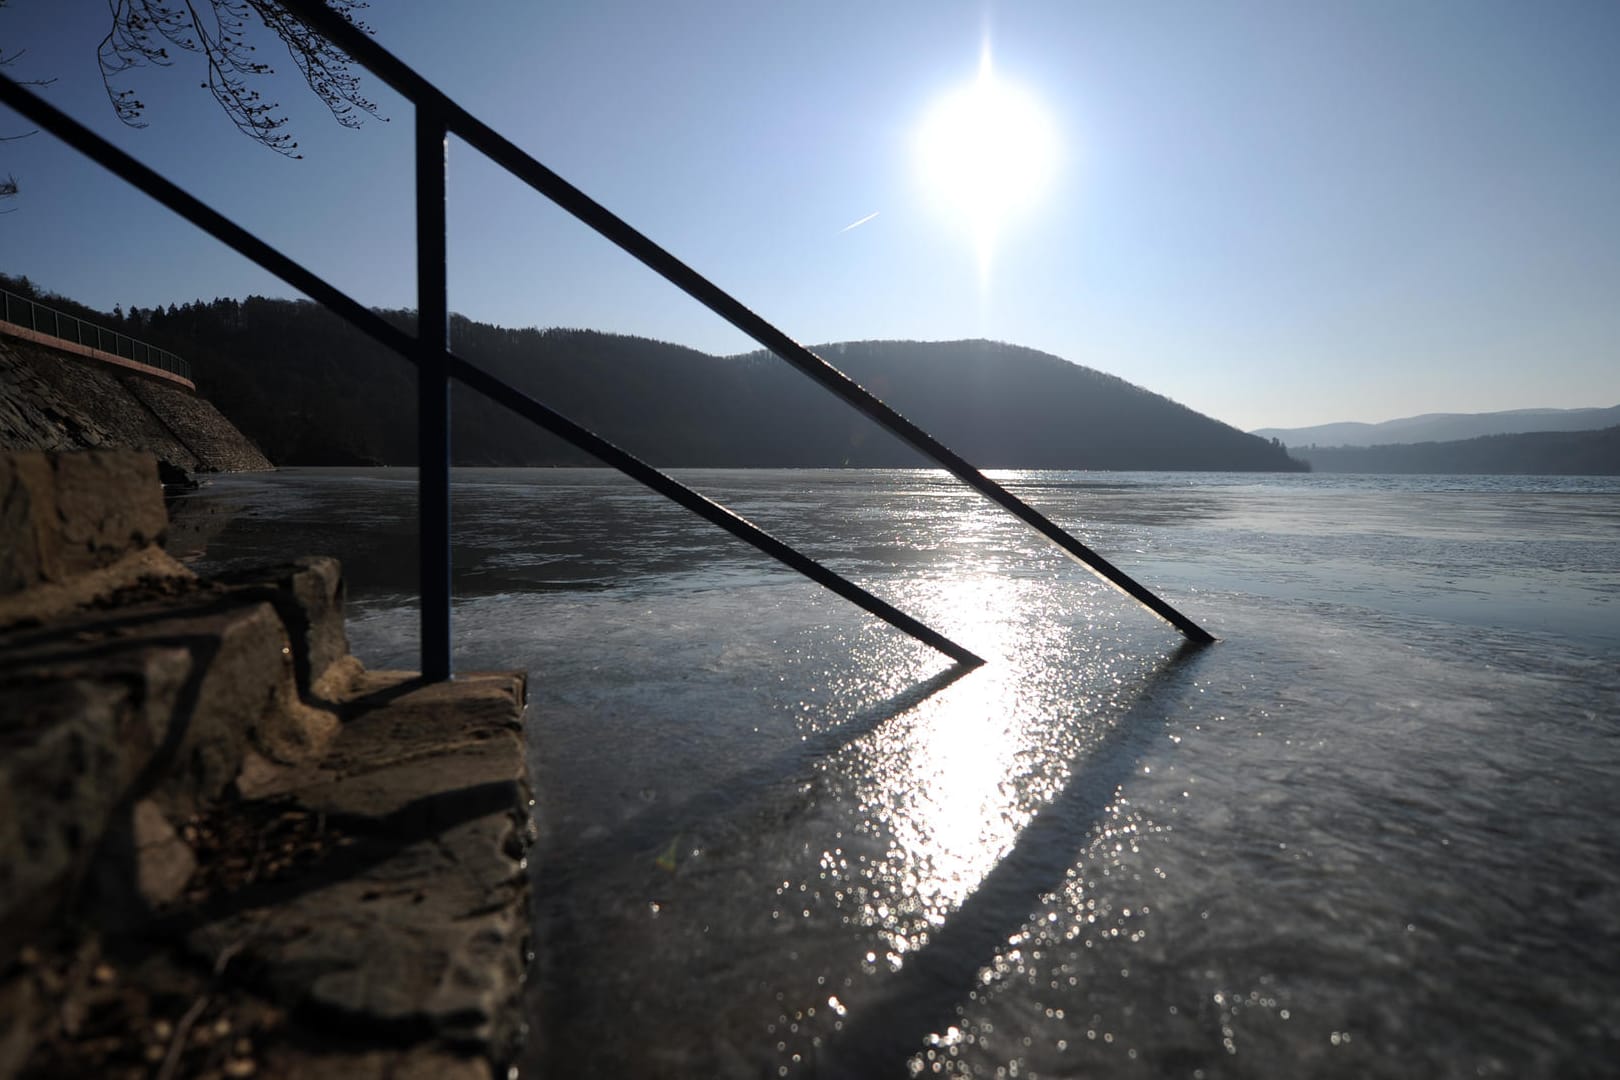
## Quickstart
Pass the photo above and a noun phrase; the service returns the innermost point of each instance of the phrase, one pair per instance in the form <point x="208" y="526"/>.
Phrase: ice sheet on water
<point x="1358" y="836"/>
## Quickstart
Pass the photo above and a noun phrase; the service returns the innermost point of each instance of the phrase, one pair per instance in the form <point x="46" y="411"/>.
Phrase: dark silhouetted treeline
<point x="311" y="390"/>
<point x="1445" y="427"/>
<point x="1540" y="453"/>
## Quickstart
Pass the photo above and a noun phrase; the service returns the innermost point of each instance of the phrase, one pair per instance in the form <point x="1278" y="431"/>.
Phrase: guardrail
<point x="437" y="116"/>
<point x="21" y="311"/>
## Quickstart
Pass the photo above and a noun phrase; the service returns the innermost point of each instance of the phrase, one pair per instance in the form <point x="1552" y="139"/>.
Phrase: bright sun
<point x="986" y="152"/>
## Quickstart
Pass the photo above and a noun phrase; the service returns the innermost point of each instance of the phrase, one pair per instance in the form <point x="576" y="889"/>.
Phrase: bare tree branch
<point x="143" y="31"/>
<point x="8" y="186"/>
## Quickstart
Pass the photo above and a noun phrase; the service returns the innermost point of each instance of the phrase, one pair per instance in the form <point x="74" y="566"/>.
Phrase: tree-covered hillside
<point x="1540" y="453"/>
<point x="311" y="390"/>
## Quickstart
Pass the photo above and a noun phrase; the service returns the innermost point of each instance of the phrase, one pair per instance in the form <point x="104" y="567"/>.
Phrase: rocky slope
<point x="55" y="401"/>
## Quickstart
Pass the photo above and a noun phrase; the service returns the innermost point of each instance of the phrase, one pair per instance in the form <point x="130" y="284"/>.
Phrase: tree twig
<point x="182" y="1030"/>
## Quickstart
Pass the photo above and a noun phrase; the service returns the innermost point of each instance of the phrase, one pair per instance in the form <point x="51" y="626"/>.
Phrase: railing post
<point x="436" y="115"/>
<point x="432" y="395"/>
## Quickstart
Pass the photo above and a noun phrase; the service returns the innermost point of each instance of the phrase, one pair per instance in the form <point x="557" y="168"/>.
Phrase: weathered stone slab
<point x="101" y="710"/>
<point x="149" y="571"/>
<point x="74" y="738"/>
<point x="163" y="861"/>
<point x="399" y="950"/>
<point x="398" y="717"/>
<point x="27" y="516"/>
<point x="67" y="514"/>
<point x="425" y="943"/>
<point x="419" y="927"/>
<point x="308" y="594"/>
<point x="201" y="766"/>
<point x="108" y="503"/>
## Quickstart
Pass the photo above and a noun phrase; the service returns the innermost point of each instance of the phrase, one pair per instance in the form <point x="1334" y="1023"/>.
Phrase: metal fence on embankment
<point x="31" y="314"/>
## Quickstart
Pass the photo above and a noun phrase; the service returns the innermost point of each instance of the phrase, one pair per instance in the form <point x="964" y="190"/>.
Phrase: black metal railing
<point x="21" y="311"/>
<point x="436" y="118"/>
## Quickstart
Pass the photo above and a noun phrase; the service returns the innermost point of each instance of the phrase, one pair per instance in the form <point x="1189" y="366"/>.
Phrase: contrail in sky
<point x="863" y="221"/>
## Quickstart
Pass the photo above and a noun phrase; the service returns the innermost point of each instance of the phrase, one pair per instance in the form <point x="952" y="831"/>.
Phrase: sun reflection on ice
<point x="951" y="786"/>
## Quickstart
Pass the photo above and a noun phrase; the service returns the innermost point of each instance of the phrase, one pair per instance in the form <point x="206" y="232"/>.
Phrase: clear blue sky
<point x="1278" y="213"/>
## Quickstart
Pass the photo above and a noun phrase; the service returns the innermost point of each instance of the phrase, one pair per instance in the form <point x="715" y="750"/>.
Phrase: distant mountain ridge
<point x="312" y="390"/>
<point x="1534" y="453"/>
<point x="1444" y="427"/>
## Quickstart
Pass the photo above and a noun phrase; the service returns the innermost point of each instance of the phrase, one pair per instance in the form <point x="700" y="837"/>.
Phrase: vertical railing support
<point x="436" y="116"/>
<point x="432" y="394"/>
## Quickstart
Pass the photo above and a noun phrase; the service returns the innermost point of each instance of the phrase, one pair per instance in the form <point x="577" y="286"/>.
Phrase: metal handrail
<point x="453" y="118"/>
<point x="436" y="117"/>
<point x="433" y="472"/>
<point x="43" y="319"/>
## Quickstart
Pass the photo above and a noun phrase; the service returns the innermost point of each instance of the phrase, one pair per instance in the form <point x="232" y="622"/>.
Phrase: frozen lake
<point x="1375" y="830"/>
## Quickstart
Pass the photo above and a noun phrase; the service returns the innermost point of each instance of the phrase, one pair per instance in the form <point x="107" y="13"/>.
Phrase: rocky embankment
<point x="53" y="400"/>
<point x="227" y="849"/>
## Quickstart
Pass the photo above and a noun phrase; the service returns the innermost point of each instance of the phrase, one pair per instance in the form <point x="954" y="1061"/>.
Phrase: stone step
<point x="205" y="798"/>
<point x="158" y="699"/>
<point x="414" y="921"/>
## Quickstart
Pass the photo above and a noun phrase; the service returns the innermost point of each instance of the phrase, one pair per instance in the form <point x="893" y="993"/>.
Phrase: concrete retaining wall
<point x="63" y="345"/>
<point x="53" y="400"/>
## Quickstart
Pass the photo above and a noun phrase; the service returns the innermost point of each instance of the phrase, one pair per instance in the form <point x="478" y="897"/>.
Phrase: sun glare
<point x="986" y="152"/>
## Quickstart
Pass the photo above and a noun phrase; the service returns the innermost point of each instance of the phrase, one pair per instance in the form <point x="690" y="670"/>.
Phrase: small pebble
<point x="222" y="1026"/>
<point x="240" y="1067"/>
<point x="162" y="1029"/>
<point x="156" y="1052"/>
<point x="103" y="974"/>
<point x="242" y="1047"/>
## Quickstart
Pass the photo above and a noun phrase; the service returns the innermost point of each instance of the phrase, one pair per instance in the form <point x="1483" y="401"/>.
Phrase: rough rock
<point x="212" y="439"/>
<point x="55" y="401"/>
<point x="308" y="594"/>
<point x="423" y="927"/>
<point x="123" y="678"/>
<point x="198" y="769"/>
<point x="62" y="515"/>
<point x="70" y="748"/>
<point x="163" y="861"/>
<point x="149" y="570"/>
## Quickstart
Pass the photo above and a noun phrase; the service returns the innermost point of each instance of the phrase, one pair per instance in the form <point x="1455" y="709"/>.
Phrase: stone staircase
<point x="226" y="848"/>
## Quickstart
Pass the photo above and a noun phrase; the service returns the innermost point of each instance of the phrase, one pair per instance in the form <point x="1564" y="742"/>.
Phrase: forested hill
<point x="311" y="390"/>
<point x="1445" y="427"/>
<point x="1540" y="453"/>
